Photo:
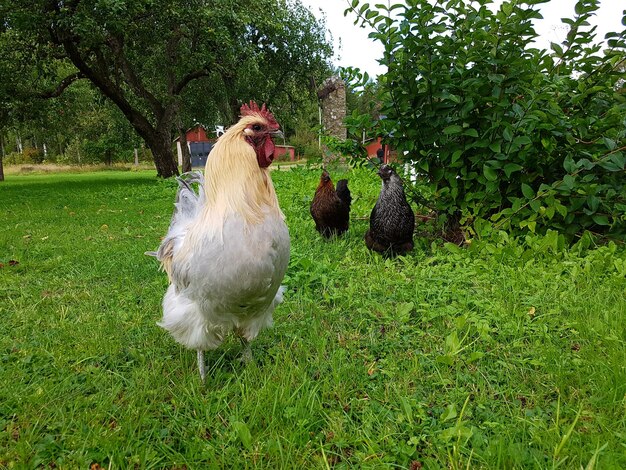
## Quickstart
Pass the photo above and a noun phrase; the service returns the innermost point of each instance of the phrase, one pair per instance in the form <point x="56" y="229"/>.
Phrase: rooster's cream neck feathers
<point x="234" y="181"/>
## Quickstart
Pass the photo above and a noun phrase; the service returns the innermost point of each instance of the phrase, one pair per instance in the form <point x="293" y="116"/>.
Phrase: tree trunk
<point x="160" y="145"/>
<point x="164" y="161"/>
<point x="159" y="141"/>
<point x="1" y="157"/>
<point x="184" y="149"/>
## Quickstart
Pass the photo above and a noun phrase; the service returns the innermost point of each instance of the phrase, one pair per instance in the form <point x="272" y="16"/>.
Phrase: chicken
<point x="330" y="209"/>
<point x="227" y="247"/>
<point x="392" y="220"/>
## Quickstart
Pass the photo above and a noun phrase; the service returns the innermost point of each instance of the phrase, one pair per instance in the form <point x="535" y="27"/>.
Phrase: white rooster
<point x="227" y="247"/>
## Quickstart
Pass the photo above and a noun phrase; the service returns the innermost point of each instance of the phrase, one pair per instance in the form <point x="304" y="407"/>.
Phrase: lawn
<point x="506" y="354"/>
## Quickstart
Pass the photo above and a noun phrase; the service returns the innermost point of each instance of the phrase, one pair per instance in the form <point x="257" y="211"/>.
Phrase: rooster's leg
<point x="246" y="355"/>
<point x="201" y="365"/>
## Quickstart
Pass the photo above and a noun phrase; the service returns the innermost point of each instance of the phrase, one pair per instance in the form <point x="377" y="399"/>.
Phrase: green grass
<point x="503" y="355"/>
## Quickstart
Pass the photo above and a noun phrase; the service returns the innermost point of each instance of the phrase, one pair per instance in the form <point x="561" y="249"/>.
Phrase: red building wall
<point x="285" y="150"/>
<point x="197" y="134"/>
<point x="373" y="147"/>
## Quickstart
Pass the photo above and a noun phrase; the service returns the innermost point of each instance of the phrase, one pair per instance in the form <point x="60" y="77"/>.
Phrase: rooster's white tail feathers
<point x="187" y="200"/>
<point x="186" y="206"/>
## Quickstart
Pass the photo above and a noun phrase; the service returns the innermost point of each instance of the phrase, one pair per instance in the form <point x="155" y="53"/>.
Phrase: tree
<point x="9" y="85"/>
<point x="3" y="119"/>
<point x="143" y="55"/>
<point x="508" y="136"/>
<point x="5" y="94"/>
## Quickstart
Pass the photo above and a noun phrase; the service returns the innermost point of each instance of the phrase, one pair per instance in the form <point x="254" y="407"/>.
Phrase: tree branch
<point x="172" y="56"/>
<point x="178" y="88"/>
<point x="63" y="84"/>
<point x="116" y="44"/>
<point x="107" y="87"/>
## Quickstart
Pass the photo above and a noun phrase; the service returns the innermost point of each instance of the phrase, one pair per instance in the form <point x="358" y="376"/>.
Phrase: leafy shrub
<point x="33" y="155"/>
<point x="104" y="150"/>
<point x="107" y="149"/>
<point x="306" y="145"/>
<point x="348" y="147"/>
<point x="29" y="155"/>
<point x="507" y="135"/>
<point x="72" y="154"/>
<point x="13" y="158"/>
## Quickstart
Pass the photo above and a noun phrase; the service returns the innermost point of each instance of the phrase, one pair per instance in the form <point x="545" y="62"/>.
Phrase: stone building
<point x="332" y="96"/>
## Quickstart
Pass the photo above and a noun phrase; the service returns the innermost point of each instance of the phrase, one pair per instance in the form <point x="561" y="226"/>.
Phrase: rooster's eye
<point x="256" y="127"/>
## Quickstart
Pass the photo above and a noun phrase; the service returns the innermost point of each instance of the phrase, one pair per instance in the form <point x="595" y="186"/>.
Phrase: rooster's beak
<point x="278" y="133"/>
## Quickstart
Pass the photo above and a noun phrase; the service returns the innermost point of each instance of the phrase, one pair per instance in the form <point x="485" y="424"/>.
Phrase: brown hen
<point x="330" y="208"/>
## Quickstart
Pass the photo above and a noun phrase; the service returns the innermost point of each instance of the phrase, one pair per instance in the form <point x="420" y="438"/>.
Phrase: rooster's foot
<point x="246" y="354"/>
<point x="201" y="365"/>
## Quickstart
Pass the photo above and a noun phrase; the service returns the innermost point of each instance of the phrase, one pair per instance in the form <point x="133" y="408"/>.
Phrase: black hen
<point x="392" y="220"/>
<point x="330" y="209"/>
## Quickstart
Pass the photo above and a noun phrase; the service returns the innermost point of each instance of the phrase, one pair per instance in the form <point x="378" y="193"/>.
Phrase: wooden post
<point x="136" y="157"/>
<point x="184" y="147"/>
<point x="1" y="157"/>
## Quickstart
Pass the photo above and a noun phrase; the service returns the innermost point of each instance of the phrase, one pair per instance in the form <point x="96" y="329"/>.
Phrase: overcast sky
<point x="354" y="48"/>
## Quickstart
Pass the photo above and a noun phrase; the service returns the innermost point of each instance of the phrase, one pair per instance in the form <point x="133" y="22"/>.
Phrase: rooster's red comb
<point x="253" y="108"/>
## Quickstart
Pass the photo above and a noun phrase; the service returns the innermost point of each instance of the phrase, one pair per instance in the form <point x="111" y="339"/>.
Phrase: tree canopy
<point x="159" y="61"/>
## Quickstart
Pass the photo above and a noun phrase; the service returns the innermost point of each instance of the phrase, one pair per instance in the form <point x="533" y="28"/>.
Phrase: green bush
<point x="33" y="155"/>
<point x="13" y="158"/>
<point x="104" y="150"/>
<point x="306" y="145"/>
<point x="28" y="156"/>
<point x="507" y="135"/>
<point x="72" y="154"/>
